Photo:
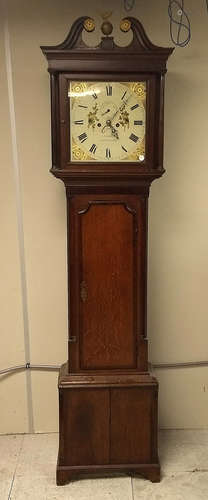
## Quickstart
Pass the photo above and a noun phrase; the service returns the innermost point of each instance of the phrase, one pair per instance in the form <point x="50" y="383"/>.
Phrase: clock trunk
<point x="107" y="248"/>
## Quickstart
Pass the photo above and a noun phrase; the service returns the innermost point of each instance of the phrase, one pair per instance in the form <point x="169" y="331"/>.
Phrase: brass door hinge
<point x="72" y="339"/>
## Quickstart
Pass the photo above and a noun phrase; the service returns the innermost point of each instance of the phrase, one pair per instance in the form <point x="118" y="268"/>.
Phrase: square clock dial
<point x="107" y="121"/>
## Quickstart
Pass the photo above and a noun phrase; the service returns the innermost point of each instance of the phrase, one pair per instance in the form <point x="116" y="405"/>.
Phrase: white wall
<point x="178" y="236"/>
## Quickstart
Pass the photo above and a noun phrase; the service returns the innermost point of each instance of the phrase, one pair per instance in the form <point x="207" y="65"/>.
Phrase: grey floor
<point x="27" y="471"/>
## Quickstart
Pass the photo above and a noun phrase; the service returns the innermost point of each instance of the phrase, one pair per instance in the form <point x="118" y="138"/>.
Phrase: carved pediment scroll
<point x="74" y="43"/>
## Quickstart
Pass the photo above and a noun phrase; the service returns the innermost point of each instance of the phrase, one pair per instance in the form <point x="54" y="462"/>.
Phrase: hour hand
<point x="108" y="111"/>
<point x="114" y="132"/>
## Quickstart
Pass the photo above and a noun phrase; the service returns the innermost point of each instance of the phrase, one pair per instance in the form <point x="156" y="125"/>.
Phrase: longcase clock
<point x="107" y="147"/>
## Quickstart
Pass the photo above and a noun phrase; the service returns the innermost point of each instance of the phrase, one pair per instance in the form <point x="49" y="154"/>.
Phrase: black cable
<point x="182" y="22"/>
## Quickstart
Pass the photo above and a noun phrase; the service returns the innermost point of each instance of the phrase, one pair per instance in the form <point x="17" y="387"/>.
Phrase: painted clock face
<point x="107" y="121"/>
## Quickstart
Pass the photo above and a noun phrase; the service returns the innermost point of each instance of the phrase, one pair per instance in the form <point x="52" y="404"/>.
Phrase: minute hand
<point x="120" y="108"/>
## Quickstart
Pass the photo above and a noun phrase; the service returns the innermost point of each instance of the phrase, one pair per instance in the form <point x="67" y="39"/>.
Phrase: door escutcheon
<point x="83" y="291"/>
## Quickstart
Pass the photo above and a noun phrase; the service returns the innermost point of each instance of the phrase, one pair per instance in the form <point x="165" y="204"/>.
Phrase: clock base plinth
<point x="66" y="474"/>
<point x="108" y="425"/>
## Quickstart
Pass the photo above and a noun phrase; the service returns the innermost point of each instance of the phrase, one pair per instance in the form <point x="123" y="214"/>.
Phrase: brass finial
<point x="89" y="24"/>
<point x="125" y="25"/>
<point x="106" y="28"/>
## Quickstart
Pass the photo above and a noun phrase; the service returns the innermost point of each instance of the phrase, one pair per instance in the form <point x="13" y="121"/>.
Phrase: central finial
<point x="106" y="28"/>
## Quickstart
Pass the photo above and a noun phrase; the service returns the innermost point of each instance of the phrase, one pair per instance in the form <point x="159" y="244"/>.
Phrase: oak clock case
<point x="107" y="106"/>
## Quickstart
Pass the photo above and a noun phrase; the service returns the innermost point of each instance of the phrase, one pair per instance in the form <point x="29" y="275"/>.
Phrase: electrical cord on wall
<point x="156" y="366"/>
<point x="178" y="19"/>
<point x="28" y="366"/>
<point x="183" y="30"/>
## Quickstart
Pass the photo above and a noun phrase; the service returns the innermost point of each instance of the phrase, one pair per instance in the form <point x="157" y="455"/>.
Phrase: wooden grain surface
<point x="107" y="280"/>
<point x="131" y="425"/>
<point x="107" y="329"/>
<point x="84" y="427"/>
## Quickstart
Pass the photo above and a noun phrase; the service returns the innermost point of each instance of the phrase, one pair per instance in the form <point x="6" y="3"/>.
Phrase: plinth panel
<point x="131" y="412"/>
<point x="84" y="426"/>
<point x="108" y="427"/>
